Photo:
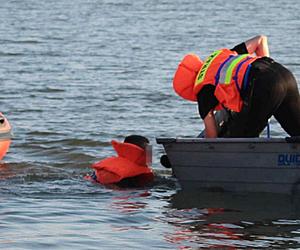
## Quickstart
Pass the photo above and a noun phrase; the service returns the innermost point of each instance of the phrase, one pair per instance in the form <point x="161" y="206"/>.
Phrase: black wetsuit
<point x="272" y="90"/>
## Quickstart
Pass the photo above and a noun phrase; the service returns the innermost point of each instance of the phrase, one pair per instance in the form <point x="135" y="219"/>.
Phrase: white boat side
<point x="5" y="128"/>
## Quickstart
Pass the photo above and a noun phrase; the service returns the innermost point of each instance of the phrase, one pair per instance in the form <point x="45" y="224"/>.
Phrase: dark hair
<point x="137" y="140"/>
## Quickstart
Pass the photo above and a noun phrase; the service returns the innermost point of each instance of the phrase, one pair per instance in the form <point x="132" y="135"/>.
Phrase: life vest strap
<point x="217" y="78"/>
<point x="246" y="78"/>
<point x="237" y="72"/>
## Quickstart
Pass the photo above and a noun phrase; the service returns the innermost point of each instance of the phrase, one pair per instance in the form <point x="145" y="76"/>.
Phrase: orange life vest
<point x="226" y="70"/>
<point x="130" y="162"/>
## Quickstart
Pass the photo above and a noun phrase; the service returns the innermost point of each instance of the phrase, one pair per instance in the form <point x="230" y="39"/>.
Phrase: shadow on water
<point x="239" y="206"/>
<point x="224" y="219"/>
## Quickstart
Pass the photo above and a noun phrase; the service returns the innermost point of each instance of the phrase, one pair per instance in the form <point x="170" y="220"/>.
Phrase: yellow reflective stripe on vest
<point x="230" y="67"/>
<point x="205" y="66"/>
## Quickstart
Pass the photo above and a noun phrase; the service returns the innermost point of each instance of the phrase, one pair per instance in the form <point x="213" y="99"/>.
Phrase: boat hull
<point x="236" y="164"/>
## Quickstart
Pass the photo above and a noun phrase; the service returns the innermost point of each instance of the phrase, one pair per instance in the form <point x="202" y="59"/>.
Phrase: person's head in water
<point x="136" y="181"/>
<point x="137" y="140"/>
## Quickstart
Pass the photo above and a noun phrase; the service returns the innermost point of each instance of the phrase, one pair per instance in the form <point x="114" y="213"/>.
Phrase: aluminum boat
<point x="236" y="164"/>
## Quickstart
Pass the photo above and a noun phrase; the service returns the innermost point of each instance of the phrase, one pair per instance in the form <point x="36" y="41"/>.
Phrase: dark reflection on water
<point x="233" y="220"/>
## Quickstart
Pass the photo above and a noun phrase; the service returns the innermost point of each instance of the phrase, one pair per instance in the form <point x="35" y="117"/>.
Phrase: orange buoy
<point x="5" y="135"/>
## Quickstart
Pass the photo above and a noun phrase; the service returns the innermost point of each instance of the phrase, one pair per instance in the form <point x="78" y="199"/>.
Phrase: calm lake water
<point x="76" y="74"/>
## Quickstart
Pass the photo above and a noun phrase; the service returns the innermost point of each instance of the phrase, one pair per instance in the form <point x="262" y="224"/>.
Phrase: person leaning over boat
<point x="247" y="83"/>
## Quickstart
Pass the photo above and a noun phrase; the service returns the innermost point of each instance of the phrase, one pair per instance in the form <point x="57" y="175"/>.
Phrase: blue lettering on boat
<point x="288" y="160"/>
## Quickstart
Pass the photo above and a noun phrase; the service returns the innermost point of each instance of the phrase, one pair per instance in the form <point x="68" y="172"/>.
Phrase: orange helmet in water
<point x="184" y="78"/>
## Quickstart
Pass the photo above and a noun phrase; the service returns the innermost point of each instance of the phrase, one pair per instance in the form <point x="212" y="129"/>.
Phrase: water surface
<point x="76" y="74"/>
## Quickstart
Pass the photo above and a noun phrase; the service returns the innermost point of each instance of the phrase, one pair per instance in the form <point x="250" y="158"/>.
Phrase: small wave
<point x="43" y="133"/>
<point x="50" y="90"/>
<point x="53" y="154"/>
<point x="20" y="41"/>
<point x="38" y="180"/>
<point x="28" y="110"/>
<point x="25" y="172"/>
<point x="79" y="142"/>
<point x="292" y="64"/>
<point x="16" y="54"/>
<point x="10" y="54"/>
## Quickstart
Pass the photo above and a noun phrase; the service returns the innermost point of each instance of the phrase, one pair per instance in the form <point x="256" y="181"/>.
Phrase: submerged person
<point x="245" y="82"/>
<point x="131" y="166"/>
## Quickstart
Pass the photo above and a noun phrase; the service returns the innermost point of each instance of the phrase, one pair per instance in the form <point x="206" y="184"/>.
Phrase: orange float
<point x="5" y="135"/>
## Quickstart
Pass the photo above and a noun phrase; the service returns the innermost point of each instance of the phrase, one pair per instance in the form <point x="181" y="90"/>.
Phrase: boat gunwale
<point x="169" y="140"/>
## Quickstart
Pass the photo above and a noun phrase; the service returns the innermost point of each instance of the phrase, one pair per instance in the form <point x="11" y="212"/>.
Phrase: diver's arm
<point x="210" y="125"/>
<point x="258" y="45"/>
